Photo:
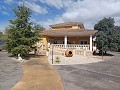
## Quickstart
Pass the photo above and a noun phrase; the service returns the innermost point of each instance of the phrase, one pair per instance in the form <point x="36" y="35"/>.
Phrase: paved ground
<point x="72" y="60"/>
<point x="39" y="75"/>
<point x="10" y="71"/>
<point x="103" y="75"/>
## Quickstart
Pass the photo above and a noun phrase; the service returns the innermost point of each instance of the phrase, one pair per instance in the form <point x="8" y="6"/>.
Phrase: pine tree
<point x="21" y="35"/>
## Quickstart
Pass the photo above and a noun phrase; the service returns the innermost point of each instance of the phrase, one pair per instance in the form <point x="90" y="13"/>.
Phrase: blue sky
<point x="47" y="12"/>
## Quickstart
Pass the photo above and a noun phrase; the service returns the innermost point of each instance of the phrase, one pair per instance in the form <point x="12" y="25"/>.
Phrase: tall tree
<point x="1" y="34"/>
<point x="104" y="28"/>
<point x="21" y="35"/>
<point x="105" y="24"/>
<point x="116" y="39"/>
<point x="37" y="29"/>
<point x="107" y="37"/>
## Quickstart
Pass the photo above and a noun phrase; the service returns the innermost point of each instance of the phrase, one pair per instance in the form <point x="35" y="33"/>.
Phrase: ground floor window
<point x="83" y="42"/>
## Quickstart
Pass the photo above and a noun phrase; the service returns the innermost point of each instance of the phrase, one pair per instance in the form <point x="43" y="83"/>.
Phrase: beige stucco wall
<point x="75" y="27"/>
<point x="76" y="40"/>
<point x="44" y="42"/>
<point x="67" y="27"/>
<point x="72" y="40"/>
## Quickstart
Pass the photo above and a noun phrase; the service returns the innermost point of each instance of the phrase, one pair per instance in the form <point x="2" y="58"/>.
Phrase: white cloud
<point x="49" y="22"/>
<point x="57" y="3"/>
<point x="5" y="13"/>
<point x="8" y="1"/>
<point x="86" y="11"/>
<point x="35" y="7"/>
<point x="90" y="9"/>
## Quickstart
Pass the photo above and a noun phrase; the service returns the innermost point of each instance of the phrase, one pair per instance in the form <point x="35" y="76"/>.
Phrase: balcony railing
<point x="71" y="46"/>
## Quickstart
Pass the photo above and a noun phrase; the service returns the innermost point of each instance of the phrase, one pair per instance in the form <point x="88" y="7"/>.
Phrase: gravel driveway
<point x="103" y="75"/>
<point x="10" y="71"/>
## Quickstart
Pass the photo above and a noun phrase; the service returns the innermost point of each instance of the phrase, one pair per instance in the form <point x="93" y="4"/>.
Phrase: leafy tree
<point x="21" y="35"/>
<point x="101" y="41"/>
<point x="103" y="36"/>
<point x="116" y="36"/>
<point x="105" y="24"/>
<point x="107" y="37"/>
<point x="37" y="28"/>
<point x="1" y="34"/>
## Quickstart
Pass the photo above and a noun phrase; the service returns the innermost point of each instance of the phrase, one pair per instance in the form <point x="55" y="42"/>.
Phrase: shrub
<point x="57" y="60"/>
<point x="22" y="50"/>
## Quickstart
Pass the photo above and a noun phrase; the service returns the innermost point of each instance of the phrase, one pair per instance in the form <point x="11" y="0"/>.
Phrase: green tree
<point x="116" y="38"/>
<point x="101" y="41"/>
<point x="1" y="34"/>
<point x="37" y="29"/>
<point x="103" y="26"/>
<point x="21" y="35"/>
<point x="107" y="37"/>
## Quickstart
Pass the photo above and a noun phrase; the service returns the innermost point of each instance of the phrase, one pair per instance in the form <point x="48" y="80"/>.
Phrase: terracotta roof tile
<point x="66" y="30"/>
<point x="68" y="24"/>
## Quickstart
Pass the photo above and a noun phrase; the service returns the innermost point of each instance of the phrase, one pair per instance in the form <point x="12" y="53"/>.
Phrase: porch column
<point x="65" y="41"/>
<point x="90" y="42"/>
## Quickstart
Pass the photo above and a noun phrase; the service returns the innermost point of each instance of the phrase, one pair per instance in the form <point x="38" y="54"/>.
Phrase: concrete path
<point x="103" y="75"/>
<point x="10" y="71"/>
<point x="39" y="75"/>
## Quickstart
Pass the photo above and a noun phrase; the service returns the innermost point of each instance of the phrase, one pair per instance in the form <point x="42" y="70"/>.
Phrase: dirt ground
<point x="39" y="75"/>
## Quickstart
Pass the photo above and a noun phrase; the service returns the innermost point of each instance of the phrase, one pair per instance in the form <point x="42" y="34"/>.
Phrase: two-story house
<point x="68" y="35"/>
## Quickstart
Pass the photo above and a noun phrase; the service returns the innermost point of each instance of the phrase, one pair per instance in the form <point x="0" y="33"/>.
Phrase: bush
<point x="57" y="60"/>
<point x="22" y="50"/>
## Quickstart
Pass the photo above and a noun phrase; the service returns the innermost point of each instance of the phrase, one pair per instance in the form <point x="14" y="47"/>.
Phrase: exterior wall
<point x="59" y="40"/>
<point x="67" y="27"/>
<point x="75" y="27"/>
<point x="76" y="40"/>
<point x="71" y="40"/>
<point x="44" y="42"/>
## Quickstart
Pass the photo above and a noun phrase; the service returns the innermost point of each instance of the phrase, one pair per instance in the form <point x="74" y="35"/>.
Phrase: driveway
<point x="39" y="75"/>
<point x="10" y="71"/>
<point x="103" y="75"/>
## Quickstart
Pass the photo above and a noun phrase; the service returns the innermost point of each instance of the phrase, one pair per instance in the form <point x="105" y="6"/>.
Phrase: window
<point x="83" y="42"/>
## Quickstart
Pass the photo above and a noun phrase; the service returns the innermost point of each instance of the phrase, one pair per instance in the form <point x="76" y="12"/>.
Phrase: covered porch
<point x="68" y="42"/>
<point x="70" y="39"/>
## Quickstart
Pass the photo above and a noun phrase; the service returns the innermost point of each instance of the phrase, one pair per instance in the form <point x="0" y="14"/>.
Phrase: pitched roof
<point x="69" y="32"/>
<point x="68" y="24"/>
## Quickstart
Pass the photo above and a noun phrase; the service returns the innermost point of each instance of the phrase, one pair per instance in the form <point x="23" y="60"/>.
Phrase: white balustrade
<point x="71" y="46"/>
